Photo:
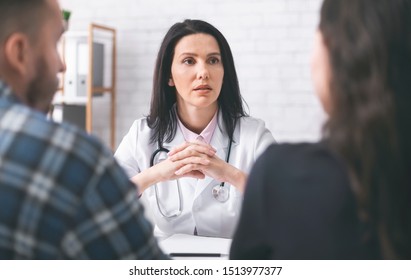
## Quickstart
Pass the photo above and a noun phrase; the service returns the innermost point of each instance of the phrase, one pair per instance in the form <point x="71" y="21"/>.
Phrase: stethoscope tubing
<point x="180" y="206"/>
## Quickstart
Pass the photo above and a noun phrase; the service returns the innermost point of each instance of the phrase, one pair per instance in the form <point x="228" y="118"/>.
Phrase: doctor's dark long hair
<point x="162" y="119"/>
<point x="369" y="46"/>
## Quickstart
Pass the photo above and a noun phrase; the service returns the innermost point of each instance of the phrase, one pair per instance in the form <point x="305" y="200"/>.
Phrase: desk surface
<point x="196" y="247"/>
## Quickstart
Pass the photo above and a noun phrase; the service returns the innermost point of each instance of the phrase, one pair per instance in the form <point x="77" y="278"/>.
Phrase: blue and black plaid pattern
<point x="62" y="195"/>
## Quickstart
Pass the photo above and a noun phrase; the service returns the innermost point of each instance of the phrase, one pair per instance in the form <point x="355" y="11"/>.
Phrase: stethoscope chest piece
<point x="220" y="193"/>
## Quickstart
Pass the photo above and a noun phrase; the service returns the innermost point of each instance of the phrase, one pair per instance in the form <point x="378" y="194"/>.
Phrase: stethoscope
<point x="219" y="192"/>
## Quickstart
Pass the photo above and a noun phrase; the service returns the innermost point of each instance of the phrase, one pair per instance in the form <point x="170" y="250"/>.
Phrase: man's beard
<point x="42" y="88"/>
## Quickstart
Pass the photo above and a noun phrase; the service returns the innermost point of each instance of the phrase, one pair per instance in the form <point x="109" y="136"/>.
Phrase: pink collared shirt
<point x="204" y="136"/>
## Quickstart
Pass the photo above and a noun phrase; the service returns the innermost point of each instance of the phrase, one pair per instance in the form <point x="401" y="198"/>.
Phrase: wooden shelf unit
<point x="93" y="90"/>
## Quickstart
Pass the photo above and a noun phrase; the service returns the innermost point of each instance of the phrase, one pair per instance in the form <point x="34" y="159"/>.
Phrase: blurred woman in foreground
<point x="349" y="196"/>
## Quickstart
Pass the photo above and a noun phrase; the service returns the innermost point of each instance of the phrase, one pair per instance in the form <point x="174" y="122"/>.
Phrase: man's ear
<point x="17" y="54"/>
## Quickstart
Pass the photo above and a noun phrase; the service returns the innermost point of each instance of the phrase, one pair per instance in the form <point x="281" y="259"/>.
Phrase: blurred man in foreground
<point x="62" y="195"/>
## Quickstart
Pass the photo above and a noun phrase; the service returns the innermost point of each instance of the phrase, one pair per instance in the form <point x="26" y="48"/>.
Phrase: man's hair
<point x="21" y="16"/>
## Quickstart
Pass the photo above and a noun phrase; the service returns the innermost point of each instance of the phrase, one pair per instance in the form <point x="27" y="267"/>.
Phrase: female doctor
<point x="190" y="156"/>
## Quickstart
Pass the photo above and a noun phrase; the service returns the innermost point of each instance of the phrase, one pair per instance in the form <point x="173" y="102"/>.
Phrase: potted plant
<point x="66" y="16"/>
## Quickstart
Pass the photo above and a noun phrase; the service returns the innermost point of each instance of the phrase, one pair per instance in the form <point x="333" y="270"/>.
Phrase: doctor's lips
<point x="203" y="87"/>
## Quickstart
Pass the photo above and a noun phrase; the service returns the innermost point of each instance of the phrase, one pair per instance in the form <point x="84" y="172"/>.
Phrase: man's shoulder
<point x="33" y="127"/>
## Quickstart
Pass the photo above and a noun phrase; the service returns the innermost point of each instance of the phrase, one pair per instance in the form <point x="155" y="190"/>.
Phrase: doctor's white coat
<point x="199" y="208"/>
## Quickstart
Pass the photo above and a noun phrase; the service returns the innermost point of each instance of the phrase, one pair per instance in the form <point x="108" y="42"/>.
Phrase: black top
<point x="299" y="204"/>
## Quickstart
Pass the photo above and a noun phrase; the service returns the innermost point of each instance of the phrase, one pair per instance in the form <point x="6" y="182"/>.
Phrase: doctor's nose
<point x="202" y="73"/>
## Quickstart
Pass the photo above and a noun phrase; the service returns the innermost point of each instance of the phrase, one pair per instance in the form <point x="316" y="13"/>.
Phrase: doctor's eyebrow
<point x="195" y="55"/>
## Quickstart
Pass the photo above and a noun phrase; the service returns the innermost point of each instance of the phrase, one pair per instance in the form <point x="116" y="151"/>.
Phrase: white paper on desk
<point x="185" y="243"/>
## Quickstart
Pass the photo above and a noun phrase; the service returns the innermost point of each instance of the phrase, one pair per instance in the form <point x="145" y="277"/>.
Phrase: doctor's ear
<point x="171" y="82"/>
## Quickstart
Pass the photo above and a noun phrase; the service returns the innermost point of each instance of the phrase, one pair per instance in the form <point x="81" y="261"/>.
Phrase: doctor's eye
<point x="213" y="60"/>
<point x="188" y="61"/>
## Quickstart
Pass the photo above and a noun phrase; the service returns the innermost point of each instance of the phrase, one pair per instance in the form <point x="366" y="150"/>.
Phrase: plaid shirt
<point x="62" y="195"/>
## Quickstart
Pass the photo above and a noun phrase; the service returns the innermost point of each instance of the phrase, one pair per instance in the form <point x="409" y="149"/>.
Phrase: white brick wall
<point x="271" y="41"/>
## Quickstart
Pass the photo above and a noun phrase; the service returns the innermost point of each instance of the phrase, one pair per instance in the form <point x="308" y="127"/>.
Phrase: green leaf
<point x="66" y="14"/>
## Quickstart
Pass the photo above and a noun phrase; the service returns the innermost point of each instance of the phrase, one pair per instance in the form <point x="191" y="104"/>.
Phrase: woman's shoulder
<point x="250" y="125"/>
<point x="307" y="188"/>
<point x="139" y="131"/>
<point x="301" y="149"/>
<point x="254" y="132"/>
<point x="252" y="121"/>
<point x="309" y="174"/>
<point x="308" y="157"/>
<point x="139" y="126"/>
<point x="140" y="122"/>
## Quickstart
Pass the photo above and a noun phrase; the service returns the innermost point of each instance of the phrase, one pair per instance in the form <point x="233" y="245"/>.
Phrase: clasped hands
<point x="193" y="159"/>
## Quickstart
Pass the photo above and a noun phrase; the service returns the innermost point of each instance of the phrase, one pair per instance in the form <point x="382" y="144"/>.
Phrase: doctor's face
<point x="197" y="71"/>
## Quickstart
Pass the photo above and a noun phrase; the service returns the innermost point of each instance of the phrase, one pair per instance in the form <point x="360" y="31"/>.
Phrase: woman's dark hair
<point x="162" y="119"/>
<point x="369" y="46"/>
